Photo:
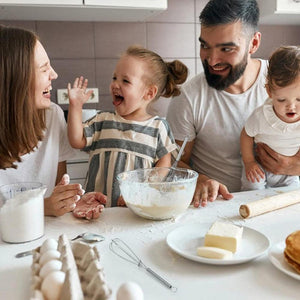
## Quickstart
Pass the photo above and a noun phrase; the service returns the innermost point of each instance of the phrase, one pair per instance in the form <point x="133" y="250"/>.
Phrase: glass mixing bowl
<point x="147" y="193"/>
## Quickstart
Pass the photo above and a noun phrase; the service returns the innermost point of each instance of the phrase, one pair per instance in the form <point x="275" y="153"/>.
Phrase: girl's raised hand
<point x="78" y="95"/>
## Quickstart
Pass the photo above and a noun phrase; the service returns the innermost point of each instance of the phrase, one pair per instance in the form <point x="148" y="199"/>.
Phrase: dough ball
<point x="52" y="285"/>
<point x="50" y="266"/>
<point x="130" y="291"/>
<point x="49" y="244"/>
<point x="49" y="255"/>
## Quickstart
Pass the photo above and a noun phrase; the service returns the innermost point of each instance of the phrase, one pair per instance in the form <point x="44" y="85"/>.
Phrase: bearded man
<point x="213" y="106"/>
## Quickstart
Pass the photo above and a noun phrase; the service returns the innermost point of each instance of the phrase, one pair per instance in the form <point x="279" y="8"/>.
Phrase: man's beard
<point x="221" y="83"/>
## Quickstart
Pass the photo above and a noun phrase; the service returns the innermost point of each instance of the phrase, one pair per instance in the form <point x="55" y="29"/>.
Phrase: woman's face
<point x="44" y="74"/>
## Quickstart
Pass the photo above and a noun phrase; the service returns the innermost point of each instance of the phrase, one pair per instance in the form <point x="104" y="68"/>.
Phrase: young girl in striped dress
<point x="128" y="138"/>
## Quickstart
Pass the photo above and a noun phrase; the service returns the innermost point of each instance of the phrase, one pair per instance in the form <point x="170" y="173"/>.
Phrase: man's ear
<point x="151" y="93"/>
<point x="255" y="42"/>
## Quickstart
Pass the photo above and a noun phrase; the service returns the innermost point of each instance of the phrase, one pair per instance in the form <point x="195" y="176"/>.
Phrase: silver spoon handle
<point x="25" y="253"/>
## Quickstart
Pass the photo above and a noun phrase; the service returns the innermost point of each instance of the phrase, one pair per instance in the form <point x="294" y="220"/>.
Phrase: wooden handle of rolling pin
<point x="267" y="204"/>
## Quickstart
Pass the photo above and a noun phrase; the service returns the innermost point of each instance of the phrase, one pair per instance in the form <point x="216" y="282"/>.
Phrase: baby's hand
<point x="78" y="94"/>
<point x="254" y="172"/>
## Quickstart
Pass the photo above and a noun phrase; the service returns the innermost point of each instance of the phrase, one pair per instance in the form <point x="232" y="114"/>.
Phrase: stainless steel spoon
<point x="25" y="253"/>
<point x="87" y="237"/>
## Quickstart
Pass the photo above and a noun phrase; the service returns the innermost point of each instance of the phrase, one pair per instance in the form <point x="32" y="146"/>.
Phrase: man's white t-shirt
<point x="41" y="165"/>
<point x="214" y="119"/>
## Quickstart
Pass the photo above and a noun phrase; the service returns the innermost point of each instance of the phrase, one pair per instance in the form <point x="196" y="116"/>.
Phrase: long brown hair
<point x="21" y="123"/>
<point x="165" y="75"/>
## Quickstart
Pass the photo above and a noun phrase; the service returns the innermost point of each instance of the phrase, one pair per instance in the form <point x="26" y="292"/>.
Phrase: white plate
<point x="276" y="257"/>
<point x="185" y="240"/>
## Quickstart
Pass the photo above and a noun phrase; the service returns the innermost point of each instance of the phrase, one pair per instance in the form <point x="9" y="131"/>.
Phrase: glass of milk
<point x="22" y="211"/>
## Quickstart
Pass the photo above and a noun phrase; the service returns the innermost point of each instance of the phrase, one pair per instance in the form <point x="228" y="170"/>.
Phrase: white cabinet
<point x="287" y="6"/>
<point x="279" y="12"/>
<point x="40" y="2"/>
<point x="81" y="10"/>
<point x="142" y="4"/>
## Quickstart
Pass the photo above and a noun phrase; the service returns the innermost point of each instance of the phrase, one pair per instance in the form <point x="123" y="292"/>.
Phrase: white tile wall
<point x="67" y="39"/>
<point x="171" y="39"/>
<point x="111" y="39"/>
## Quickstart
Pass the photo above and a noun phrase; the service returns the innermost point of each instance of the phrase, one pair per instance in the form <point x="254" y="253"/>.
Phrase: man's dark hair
<point x="218" y="12"/>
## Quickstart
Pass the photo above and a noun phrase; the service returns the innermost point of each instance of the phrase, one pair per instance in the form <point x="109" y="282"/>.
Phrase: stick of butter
<point x="224" y="235"/>
<point x="214" y="252"/>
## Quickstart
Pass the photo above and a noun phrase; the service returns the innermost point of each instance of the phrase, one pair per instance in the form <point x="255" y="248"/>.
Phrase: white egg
<point x="49" y="244"/>
<point x="50" y="266"/>
<point x="49" y="255"/>
<point x="130" y="291"/>
<point x="52" y="285"/>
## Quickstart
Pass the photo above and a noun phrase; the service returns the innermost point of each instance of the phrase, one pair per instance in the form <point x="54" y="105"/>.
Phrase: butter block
<point x="214" y="252"/>
<point x="224" y="235"/>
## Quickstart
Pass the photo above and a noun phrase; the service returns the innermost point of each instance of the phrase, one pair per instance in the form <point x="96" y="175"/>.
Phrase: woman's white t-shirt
<point x="41" y="165"/>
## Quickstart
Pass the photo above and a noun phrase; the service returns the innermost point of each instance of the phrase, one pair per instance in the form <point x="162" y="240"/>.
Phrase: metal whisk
<point x="121" y="249"/>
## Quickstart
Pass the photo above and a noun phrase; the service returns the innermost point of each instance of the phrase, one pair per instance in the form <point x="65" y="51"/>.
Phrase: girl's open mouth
<point x="118" y="99"/>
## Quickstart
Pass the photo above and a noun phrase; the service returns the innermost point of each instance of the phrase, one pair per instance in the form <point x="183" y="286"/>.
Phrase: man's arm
<point x="277" y="163"/>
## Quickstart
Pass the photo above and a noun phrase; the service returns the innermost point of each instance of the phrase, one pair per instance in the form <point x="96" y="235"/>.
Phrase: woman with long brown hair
<point x="33" y="141"/>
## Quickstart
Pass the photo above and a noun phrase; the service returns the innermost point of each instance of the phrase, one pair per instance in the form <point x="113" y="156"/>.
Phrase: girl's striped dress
<point x="116" y="145"/>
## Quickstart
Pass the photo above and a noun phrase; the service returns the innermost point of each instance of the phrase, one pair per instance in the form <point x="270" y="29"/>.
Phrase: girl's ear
<point x="151" y="93"/>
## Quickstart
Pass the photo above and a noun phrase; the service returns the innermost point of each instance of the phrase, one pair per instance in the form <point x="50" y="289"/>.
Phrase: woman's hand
<point x="208" y="190"/>
<point x="63" y="198"/>
<point x="90" y="206"/>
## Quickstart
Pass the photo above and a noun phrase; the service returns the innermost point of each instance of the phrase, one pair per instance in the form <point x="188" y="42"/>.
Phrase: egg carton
<point x="80" y="275"/>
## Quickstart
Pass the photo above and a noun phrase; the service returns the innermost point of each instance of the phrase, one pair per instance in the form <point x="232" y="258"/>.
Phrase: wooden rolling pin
<point x="267" y="204"/>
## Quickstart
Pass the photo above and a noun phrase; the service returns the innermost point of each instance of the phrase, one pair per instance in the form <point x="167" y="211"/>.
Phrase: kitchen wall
<point x="91" y="49"/>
